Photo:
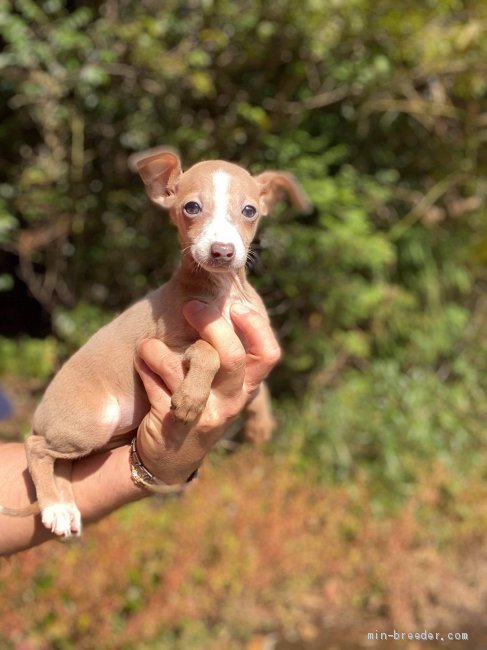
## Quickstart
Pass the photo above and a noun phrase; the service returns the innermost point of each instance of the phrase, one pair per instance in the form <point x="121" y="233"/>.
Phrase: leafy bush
<point x="389" y="426"/>
<point x="28" y="357"/>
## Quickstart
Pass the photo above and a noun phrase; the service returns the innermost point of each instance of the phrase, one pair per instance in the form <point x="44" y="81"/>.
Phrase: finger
<point x="164" y="363"/>
<point x="214" y="329"/>
<point x="155" y="388"/>
<point x="262" y="345"/>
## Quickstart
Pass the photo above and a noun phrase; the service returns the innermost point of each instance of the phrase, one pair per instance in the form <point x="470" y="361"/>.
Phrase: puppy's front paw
<point x="63" y="519"/>
<point x="187" y="408"/>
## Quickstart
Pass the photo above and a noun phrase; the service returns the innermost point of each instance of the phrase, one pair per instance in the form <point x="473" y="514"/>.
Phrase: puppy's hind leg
<point x="90" y="424"/>
<point x="59" y="516"/>
<point x="63" y="471"/>
<point x="259" y="420"/>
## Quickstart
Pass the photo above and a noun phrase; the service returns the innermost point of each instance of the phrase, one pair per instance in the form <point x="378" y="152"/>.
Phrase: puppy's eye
<point x="249" y="212"/>
<point x="192" y="208"/>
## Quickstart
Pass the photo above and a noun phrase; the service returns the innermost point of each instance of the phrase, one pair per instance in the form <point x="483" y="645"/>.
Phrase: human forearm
<point x="101" y="484"/>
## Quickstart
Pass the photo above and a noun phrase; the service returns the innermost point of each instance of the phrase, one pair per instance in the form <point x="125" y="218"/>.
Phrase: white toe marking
<point x="75" y="516"/>
<point x="62" y="519"/>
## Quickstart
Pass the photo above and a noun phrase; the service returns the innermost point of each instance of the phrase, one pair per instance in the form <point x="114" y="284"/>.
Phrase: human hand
<point x="170" y="450"/>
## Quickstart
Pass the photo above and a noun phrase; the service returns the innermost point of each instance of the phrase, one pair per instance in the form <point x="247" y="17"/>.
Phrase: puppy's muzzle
<point x="221" y="254"/>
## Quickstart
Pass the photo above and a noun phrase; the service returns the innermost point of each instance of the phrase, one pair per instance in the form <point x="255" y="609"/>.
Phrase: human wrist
<point x="142" y="477"/>
<point x="170" y="464"/>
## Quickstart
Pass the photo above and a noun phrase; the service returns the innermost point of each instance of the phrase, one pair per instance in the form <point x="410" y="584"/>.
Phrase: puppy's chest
<point x="174" y="330"/>
<point x="228" y="296"/>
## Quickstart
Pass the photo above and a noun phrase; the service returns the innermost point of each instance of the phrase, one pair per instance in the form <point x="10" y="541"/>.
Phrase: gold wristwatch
<point x="143" y="478"/>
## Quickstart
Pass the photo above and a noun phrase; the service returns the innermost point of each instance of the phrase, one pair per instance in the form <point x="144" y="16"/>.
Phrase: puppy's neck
<point x="223" y="289"/>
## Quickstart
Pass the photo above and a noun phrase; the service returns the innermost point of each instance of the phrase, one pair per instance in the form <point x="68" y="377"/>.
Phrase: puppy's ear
<point x="274" y="185"/>
<point x="160" y="173"/>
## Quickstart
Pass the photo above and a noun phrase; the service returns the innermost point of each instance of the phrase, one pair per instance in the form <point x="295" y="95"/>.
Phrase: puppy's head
<point x="216" y="205"/>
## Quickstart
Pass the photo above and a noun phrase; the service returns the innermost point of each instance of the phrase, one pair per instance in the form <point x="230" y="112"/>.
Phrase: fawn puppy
<point x="97" y="396"/>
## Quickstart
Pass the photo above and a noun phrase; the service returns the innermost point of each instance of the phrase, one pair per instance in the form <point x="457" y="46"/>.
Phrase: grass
<point x="254" y="547"/>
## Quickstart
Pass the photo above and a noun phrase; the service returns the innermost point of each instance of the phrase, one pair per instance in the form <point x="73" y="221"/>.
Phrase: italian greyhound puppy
<point x="97" y="397"/>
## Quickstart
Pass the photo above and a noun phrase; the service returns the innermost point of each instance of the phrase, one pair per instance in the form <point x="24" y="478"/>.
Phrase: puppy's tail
<point x="33" y="509"/>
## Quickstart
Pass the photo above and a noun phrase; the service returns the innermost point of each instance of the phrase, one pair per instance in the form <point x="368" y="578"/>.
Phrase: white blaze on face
<point x="221" y="197"/>
<point x="220" y="226"/>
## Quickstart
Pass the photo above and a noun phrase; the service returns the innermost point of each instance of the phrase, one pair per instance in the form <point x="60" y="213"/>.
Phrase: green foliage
<point x="390" y="426"/>
<point x="28" y="357"/>
<point x="76" y="325"/>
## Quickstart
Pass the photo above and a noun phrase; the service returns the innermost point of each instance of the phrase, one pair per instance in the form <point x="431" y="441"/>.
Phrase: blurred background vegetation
<point x="378" y="297"/>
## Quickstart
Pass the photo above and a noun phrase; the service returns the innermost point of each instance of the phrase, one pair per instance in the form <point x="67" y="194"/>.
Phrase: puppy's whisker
<point x="252" y="258"/>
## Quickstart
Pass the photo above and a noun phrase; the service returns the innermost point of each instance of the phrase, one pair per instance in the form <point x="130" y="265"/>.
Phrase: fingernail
<point x="240" y="308"/>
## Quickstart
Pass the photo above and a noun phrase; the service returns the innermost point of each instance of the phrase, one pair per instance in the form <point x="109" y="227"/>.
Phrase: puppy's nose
<point x="222" y="252"/>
